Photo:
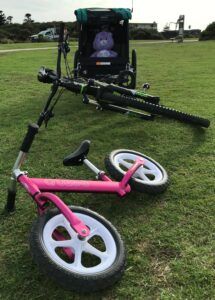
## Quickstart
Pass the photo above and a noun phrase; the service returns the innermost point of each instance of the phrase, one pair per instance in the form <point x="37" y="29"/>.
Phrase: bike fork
<point x="11" y="192"/>
<point x="44" y="114"/>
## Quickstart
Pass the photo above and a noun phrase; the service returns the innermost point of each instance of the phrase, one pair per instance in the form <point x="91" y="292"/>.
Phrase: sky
<point x="198" y="14"/>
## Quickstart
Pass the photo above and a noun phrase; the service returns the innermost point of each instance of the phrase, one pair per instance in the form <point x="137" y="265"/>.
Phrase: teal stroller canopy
<point x="85" y="15"/>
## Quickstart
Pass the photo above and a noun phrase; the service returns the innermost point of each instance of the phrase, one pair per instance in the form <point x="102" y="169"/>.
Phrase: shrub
<point x="144" y="34"/>
<point x="6" y="41"/>
<point x="23" y="34"/>
<point x="3" y="34"/>
<point x="208" y="33"/>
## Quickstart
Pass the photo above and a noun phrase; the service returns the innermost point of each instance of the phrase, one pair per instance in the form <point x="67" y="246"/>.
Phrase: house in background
<point x="147" y="26"/>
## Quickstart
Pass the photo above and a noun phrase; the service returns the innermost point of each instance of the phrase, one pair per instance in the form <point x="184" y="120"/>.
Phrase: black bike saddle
<point x="76" y="158"/>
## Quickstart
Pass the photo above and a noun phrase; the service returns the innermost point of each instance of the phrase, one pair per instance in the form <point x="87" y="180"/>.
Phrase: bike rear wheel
<point x="150" y="178"/>
<point x="154" y="109"/>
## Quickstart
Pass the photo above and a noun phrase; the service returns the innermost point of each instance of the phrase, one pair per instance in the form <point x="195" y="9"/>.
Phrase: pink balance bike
<point x="75" y="246"/>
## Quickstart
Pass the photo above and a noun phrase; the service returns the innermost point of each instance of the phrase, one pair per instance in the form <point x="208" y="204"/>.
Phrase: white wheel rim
<point x="78" y="246"/>
<point x="149" y="173"/>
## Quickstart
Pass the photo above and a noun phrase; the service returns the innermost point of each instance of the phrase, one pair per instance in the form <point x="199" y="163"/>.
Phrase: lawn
<point x="170" y="238"/>
<point x="29" y="45"/>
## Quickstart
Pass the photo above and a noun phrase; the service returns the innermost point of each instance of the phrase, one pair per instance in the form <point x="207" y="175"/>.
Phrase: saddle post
<point x="91" y="166"/>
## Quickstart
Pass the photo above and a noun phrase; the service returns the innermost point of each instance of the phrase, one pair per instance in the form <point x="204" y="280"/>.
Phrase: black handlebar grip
<point x="71" y="86"/>
<point x="28" y="140"/>
<point x="61" y="34"/>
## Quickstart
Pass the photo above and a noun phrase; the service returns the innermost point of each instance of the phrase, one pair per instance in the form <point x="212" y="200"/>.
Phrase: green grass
<point x="170" y="237"/>
<point x="29" y="45"/>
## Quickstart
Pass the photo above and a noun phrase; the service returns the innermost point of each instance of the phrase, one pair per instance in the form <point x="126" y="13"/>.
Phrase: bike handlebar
<point x="29" y="137"/>
<point x="61" y="33"/>
<point x="72" y="86"/>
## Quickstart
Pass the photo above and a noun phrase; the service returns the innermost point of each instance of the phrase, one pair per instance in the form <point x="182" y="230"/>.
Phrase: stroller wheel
<point x="127" y="79"/>
<point x="76" y="58"/>
<point x="134" y="60"/>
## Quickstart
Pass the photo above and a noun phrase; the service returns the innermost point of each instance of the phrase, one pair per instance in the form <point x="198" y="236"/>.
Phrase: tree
<point x="208" y="33"/>
<point x="28" y="18"/>
<point x="166" y="27"/>
<point x="9" y="19"/>
<point x="2" y="18"/>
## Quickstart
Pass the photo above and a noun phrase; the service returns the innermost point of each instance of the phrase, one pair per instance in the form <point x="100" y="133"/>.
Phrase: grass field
<point x="170" y="238"/>
<point x="31" y="45"/>
<point x="27" y="45"/>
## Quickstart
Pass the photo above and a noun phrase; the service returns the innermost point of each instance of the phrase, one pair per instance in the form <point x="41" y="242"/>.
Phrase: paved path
<point x="26" y="49"/>
<point x="138" y="42"/>
<point x="132" y="43"/>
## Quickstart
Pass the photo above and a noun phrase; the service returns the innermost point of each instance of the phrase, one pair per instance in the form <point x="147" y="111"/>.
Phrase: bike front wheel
<point x="150" y="178"/>
<point x="82" y="265"/>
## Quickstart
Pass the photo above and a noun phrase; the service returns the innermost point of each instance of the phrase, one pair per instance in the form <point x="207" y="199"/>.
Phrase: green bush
<point x="208" y="33"/>
<point x="3" y="34"/>
<point x="5" y="37"/>
<point x="23" y="34"/>
<point x="144" y="34"/>
<point x="6" y="41"/>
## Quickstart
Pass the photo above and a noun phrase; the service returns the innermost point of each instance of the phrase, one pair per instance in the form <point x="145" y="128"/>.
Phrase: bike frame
<point x="41" y="190"/>
<point x="72" y="83"/>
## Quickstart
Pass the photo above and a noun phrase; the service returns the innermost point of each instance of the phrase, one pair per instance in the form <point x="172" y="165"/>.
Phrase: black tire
<point x="175" y="114"/>
<point x="68" y="279"/>
<point x="134" y="60"/>
<point x="76" y="58"/>
<point x="152" y="186"/>
<point x="127" y="79"/>
<point x="134" y="66"/>
<point x="155" y="109"/>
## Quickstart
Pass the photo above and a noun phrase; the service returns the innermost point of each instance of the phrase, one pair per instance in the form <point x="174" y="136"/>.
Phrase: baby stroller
<point x="118" y="70"/>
